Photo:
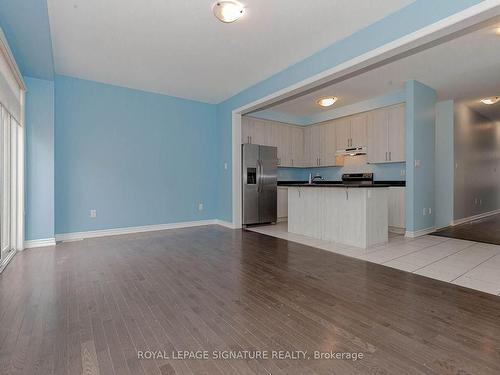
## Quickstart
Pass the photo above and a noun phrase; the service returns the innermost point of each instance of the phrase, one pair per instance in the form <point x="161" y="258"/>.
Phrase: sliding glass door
<point x="9" y="130"/>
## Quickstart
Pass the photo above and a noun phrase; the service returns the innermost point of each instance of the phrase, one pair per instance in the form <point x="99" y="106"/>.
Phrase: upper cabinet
<point x="397" y="137"/>
<point x="359" y="125"/>
<point x="382" y="131"/>
<point x="320" y="145"/>
<point x="351" y="131"/>
<point x="386" y="135"/>
<point x="289" y="139"/>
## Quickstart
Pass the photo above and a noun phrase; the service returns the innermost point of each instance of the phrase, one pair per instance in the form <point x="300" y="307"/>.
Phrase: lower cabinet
<point x="282" y="203"/>
<point x="397" y="210"/>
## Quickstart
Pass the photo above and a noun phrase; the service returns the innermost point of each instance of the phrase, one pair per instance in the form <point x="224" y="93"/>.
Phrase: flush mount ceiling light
<point x="328" y="101"/>
<point x="228" y="11"/>
<point x="491" y="100"/>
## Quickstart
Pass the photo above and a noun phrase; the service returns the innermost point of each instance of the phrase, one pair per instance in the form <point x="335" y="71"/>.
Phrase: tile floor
<point x="466" y="263"/>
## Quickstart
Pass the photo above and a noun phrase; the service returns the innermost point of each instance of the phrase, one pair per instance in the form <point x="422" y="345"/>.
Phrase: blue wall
<point x="411" y="18"/>
<point x="420" y="141"/>
<point x="444" y="163"/>
<point x="137" y="158"/>
<point x="39" y="183"/>
<point x="26" y="26"/>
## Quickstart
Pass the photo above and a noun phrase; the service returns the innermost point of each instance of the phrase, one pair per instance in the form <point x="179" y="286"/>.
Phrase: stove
<point x="357" y="179"/>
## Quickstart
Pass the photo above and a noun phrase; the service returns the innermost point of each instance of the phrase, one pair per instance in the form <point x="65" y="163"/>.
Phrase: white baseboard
<point x="226" y="224"/>
<point x="397" y="230"/>
<point x="418" y="233"/>
<point x="475" y="217"/>
<point x="39" y="243"/>
<point x="128" y="230"/>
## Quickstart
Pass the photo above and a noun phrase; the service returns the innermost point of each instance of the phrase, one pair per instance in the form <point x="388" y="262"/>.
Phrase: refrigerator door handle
<point x="259" y="176"/>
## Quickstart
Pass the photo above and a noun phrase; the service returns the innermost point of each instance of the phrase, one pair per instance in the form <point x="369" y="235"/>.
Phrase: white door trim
<point x="429" y="35"/>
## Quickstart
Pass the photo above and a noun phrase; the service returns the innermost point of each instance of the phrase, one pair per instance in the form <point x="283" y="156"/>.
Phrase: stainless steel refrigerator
<point x="260" y="190"/>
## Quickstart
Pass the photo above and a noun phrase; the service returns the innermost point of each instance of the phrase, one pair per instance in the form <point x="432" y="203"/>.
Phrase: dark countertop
<point x="340" y="184"/>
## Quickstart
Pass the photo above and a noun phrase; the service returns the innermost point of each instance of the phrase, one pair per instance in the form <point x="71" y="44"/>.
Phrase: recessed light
<point x="490" y="100"/>
<point x="328" y="101"/>
<point x="228" y="11"/>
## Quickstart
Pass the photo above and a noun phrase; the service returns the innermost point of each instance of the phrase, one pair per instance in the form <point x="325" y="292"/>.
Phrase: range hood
<point x="352" y="151"/>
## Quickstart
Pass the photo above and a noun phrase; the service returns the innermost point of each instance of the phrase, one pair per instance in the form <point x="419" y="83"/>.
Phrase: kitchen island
<point x="355" y="215"/>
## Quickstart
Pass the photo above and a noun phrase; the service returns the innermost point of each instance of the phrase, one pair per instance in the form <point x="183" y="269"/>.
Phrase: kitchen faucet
<point x="311" y="178"/>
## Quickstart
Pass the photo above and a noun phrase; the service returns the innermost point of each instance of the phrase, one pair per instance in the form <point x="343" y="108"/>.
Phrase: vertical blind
<point x="11" y="87"/>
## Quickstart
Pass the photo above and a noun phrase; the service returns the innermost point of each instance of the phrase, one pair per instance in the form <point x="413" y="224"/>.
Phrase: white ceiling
<point x="465" y="69"/>
<point x="177" y="47"/>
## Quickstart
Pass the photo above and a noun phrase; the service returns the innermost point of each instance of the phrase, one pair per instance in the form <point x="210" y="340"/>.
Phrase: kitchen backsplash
<point x="352" y="164"/>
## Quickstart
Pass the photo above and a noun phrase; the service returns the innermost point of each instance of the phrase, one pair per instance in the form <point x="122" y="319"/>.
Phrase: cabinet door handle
<point x="390" y="157"/>
<point x="292" y="162"/>
<point x="386" y="156"/>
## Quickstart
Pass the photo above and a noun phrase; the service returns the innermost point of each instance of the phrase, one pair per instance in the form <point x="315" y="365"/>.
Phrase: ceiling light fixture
<point x="328" y="101"/>
<point x="491" y="100"/>
<point x="228" y="11"/>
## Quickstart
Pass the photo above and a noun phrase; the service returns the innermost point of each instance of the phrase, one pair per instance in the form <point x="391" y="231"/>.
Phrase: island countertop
<point x="340" y="184"/>
<point x="357" y="186"/>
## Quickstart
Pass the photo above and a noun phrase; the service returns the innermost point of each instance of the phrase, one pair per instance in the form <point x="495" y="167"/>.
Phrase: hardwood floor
<point x="88" y="307"/>
<point x="485" y="230"/>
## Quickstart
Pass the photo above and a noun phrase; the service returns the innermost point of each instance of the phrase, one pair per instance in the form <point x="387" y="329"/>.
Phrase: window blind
<point x="11" y="85"/>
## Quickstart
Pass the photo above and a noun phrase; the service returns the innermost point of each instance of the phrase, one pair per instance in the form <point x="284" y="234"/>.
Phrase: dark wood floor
<point x="89" y="306"/>
<point x="484" y="230"/>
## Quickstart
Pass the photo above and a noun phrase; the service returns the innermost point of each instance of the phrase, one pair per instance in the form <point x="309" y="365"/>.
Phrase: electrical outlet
<point x="225" y="165"/>
<point x="93" y="213"/>
<point x="200" y="206"/>
<point x="430" y="210"/>
<point x="417" y="163"/>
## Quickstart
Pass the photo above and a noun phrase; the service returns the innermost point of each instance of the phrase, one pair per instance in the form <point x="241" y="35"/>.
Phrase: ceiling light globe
<point x="228" y="11"/>
<point x="327" y="102"/>
<point x="491" y="100"/>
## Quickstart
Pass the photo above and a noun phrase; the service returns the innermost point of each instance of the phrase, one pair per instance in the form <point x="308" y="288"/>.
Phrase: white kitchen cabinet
<point x="282" y="203"/>
<point x="296" y="140"/>
<point x="396" y="133"/>
<point x="397" y="209"/>
<point x="262" y="133"/>
<point x="247" y="127"/>
<point x="343" y="133"/>
<point x="359" y="125"/>
<point x="320" y="145"/>
<point x="377" y="147"/>
<point x="351" y="131"/>
<point x="386" y="135"/>
<point x="327" y="155"/>
<point x="313" y="140"/>
<point x="280" y="139"/>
